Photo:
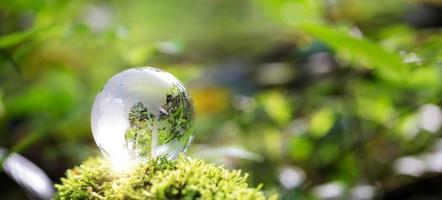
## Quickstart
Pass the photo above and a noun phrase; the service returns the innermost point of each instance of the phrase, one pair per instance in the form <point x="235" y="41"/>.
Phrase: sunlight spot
<point x="430" y="117"/>
<point x="433" y="161"/>
<point x="244" y="103"/>
<point x="410" y="166"/>
<point x="28" y="175"/>
<point x="356" y="32"/>
<point x="169" y="48"/>
<point x="291" y="177"/>
<point x="363" y="192"/>
<point x="98" y="18"/>
<point x="332" y="190"/>
<point x="121" y="162"/>
<point x="411" y="58"/>
<point x="227" y="152"/>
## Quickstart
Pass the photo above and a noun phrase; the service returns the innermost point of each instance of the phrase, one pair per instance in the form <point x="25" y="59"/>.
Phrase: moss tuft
<point x="184" y="178"/>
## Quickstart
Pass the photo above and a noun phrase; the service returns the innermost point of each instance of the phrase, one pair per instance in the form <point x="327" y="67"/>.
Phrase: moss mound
<point x="184" y="178"/>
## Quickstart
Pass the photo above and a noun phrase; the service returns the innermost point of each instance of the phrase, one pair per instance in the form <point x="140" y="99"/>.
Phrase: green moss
<point x="184" y="178"/>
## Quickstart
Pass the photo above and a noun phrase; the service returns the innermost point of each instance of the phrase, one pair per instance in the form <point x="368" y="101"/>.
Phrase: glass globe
<point x="142" y="113"/>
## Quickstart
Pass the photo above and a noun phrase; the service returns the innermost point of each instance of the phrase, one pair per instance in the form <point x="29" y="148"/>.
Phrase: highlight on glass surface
<point x="142" y="113"/>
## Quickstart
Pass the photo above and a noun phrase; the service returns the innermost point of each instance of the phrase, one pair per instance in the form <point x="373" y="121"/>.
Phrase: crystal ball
<point x="142" y="113"/>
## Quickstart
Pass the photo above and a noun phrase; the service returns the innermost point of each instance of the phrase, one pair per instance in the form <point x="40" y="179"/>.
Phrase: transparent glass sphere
<point x="142" y="113"/>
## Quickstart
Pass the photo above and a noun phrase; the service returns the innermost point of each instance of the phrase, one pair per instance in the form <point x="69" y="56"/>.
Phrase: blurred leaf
<point x="137" y="56"/>
<point x="396" y="37"/>
<point x="408" y="126"/>
<point x="55" y="94"/>
<point x="327" y="153"/>
<point x="292" y="12"/>
<point x="184" y="72"/>
<point x="348" y="169"/>
<point x="31" y="138"/>
<point x="377" y="109"/>
<point x="273" y="140"/>
<point x="389" y="66"/>
<point x="426" y="78"/>
<point x="277" y="107"/>
<point x="16" y="38"/>
<point x="321" y="122"/>
<point x="300" y="148"/>
<point x="2" y="105"/>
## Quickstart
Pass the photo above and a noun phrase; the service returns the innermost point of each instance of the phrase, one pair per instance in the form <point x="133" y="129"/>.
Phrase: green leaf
<point x="378" y="109"/>
<point x="387" y="65"/>
<point x="277" y="107"/>
<point x="300" y="148"/>
<point x="16" y="38"/>
<point x="321" y="122"/>
<point x="39" y="32"/>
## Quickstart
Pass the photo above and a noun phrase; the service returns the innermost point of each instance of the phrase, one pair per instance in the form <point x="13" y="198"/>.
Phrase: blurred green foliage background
<point x="316" y="99"/>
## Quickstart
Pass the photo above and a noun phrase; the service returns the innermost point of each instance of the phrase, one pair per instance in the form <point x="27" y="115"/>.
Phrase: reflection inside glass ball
<point x="142" y="113"/>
